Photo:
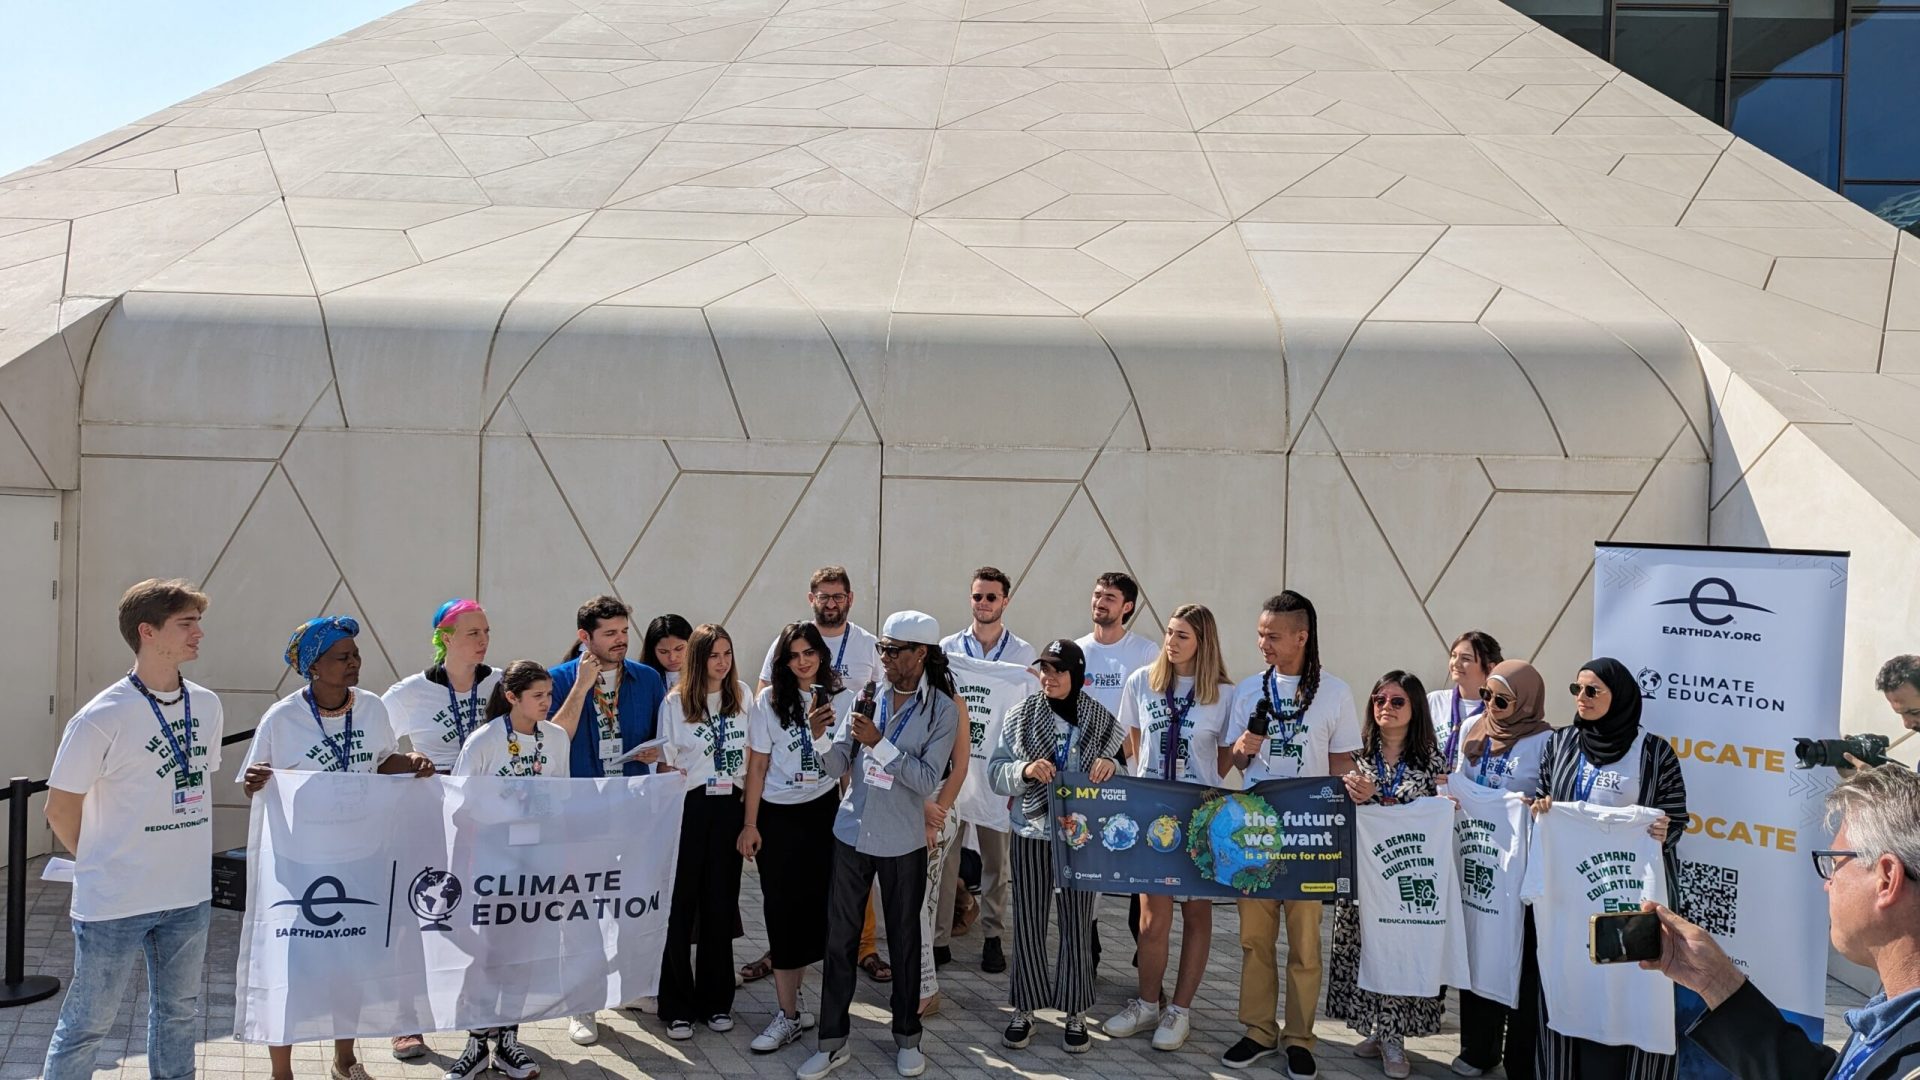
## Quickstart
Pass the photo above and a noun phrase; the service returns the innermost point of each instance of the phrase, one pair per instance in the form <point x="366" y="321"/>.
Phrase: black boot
<point x="992" y="960"/>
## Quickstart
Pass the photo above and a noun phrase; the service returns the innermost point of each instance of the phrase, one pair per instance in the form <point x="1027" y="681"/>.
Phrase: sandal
<point x="757" y="970"/>
<point x="876" y="968"/>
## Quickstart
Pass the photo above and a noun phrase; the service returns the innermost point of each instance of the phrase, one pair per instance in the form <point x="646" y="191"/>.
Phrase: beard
<point x="826" y="622"/>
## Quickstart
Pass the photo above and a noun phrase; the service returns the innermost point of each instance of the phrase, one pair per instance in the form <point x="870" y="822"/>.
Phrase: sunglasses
<point x="1500" y="701"/>
<point x="891" y="651"/>
<point x="1578" y="690"/>
<point x="983" y="597"/>
<point x="1391" y="701"/>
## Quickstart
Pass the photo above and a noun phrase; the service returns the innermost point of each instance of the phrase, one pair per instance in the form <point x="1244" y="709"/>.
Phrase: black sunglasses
<point x="890" y="650"/>
<point x="1394" y="701"/>
<point x="1578" y="690"/>
<point x="1500" y="701"/>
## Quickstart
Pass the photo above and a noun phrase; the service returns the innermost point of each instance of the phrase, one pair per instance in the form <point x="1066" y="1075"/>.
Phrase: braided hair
<point x="1292" y="603"/>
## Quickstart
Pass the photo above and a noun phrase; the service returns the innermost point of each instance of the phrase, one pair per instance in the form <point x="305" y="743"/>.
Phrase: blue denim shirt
<point x="641" y="693"/>
<point x="1872" y="1023"/>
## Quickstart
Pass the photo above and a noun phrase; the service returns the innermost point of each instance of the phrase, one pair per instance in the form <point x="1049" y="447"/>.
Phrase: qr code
<point x="1710" y="896"/>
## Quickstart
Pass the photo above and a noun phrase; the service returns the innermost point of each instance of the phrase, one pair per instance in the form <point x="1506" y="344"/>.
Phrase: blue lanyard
<point x="1176" y="719"/>
<point x="462" y="727"/>
<point x="513" y="746"/>
<point x="807" y="762"/>
<point x="1390" y="788"/>
<point x="182" y="754"/>
<point x="886" y="700"/>
<point x="342" y="750"/>
<point x="1858" y="1052"/>
<point x="1583" y="793"/>
<point x="840" y="657"/>
<point x="1500" y="769"/>
<point x="1289" y="729"/>
<point x="967" y="636"/>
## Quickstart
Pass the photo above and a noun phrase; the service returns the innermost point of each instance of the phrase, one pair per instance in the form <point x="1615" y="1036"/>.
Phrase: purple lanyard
<point x="1176" y="719"/>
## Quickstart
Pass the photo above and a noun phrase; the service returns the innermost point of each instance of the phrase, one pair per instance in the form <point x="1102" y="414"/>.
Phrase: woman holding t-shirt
<point x="1174" y="712"/>
<point x="1505" y="749"/>
<point x="328" y="725"/>
<point x="1469" y="664"/>
<point x="790" y="803"/>
<point x="1606" y="760"/>
<point x="704" y="721"/>
<point x="1398" y="762"/>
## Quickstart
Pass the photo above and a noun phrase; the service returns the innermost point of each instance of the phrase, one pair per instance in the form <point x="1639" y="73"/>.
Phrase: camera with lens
<point x="1832" y="753"/>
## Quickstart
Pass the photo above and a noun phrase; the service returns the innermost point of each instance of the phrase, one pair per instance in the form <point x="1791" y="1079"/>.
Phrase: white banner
<point x="384" y="905"/>
<point x="1737" y="652"/>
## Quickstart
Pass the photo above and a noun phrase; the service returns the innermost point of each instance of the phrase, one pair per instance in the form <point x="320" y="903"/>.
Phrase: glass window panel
<point x="1579" y="21"/>
<point x="1883" y="82"/>
<point x="1676" y="52"/>
<point x="1898" y="203"/>
<point x="1799" y="36"/>
<point x="1795" y="120"/>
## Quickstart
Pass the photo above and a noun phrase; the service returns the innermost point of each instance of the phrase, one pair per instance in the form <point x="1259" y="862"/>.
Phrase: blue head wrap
<point x="314" y="637"/>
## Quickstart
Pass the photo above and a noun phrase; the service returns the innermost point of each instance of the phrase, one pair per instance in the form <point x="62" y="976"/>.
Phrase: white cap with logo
<point x="916" y="627"/>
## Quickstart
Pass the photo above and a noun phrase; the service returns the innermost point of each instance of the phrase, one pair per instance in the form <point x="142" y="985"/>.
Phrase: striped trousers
<point x="1069" y="986"/>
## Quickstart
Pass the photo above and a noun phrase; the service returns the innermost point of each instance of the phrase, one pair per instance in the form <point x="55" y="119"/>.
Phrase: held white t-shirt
<point x="1441" y="707"/>
<point x="1517" y="770"/>
<point x="1199" y="752"/>
<point x="1296" y="745"/>
<point x="489" y="751"/>
<point x="422" y="711"/>
<point x="1413" y="938"/>
<point x="1490" y="832"/>
<point x="1109" y="665"/>
<point x="690" y="747"/>
<point x="146" y="836"/>
<point x="793" y="774"/>
<point x="990" y="690"/>
<point x="289" y="739"/>
<point x="1590" y="860"/>
<point x="1010" y="649"/>
<point x="851" y="654"/>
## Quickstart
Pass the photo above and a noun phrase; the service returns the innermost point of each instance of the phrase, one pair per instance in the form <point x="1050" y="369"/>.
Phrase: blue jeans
<point x="175" y="945"/>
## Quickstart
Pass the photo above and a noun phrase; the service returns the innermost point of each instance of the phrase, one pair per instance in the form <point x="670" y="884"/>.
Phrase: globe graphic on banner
<point x="433" y="895"/>
<point x="1074" y="828"/>
<point x="1231" y="839"/>
<point x="1119" y="832"/>
<point x="1163" y="834"/>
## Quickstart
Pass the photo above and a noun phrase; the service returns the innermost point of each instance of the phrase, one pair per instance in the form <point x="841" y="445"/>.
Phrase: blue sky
<point x="74" y="69"/>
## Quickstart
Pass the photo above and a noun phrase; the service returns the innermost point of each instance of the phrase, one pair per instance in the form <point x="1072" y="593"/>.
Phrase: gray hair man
<point x="1873" y="902"/>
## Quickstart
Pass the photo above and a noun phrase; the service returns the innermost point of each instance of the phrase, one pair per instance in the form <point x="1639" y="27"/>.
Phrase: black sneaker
<point x="1077" y="1040"/>
<point x="511" y="1058"/>
<point x="992" y="960"/>
<point x="1019" y="1033"/>
<point x="942" y="956"/>
<point x="473" y="1060"/>
<point x="1096" y="946"/>
<point x="1244" y="1053"/>
<point x="1300" y="1064"/>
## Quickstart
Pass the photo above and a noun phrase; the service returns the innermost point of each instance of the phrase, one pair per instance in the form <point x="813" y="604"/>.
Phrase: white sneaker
<point x="910" y="1061"/>
<point x="720" y="1022"/>
<point x="1393" y="1061"/>
<point x="1367" y="1048"/>
<point x="1172" y="1032"/>
<point x="822" y="1063"/>
<point x="583" y="1029"/>
<point x="1138" y="1016"/>
<point x="647" y="1004"/>
<point x="783" y="1030"/>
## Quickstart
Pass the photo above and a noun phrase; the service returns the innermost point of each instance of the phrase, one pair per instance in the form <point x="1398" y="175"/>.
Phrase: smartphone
<point x="821" y="696"/>
<point x="1623" y="937"/>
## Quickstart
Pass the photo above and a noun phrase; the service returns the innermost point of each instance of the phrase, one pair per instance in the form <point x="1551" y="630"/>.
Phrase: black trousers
<point x="1491" y="1033"/>
<point x="696" y="972"/>
<point x="903" y="889"/>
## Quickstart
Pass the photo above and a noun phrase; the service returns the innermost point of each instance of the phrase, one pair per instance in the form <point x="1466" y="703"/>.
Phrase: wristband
<point x="750" y="825"/>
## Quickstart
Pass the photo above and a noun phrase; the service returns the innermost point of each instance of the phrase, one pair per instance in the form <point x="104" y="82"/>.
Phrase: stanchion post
<point x="19" y="987"/>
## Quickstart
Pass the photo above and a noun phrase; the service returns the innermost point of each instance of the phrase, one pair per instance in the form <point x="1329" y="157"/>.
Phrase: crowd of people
<point x="861" y="746"/>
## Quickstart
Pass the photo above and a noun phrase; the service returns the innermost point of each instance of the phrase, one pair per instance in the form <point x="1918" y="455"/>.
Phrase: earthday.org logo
<point x="1714" y="604"/>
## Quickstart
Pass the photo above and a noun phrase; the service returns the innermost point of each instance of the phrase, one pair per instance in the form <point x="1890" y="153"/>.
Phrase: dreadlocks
<point x="1292" y="603"/>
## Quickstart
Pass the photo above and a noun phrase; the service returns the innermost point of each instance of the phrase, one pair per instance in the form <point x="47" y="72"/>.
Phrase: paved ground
<point x="961" y="1041"/>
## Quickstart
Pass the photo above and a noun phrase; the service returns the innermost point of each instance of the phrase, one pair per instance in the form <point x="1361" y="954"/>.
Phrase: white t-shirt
<point x="690" y="747"/>
<point x="1109" y="665"/>
<point x="1199" y="736"/>
<point x="793" y="769"/>
<point x="489" y="751"/>
<point x="288" y="737"/>
<point x="422" y="711"/>
<point x="1296" y="746"/>
<point x="146" y="842"/>
<point x="1413" y="937"/>
<point x="1490" y="833"/>
<point x="990" y="690"/>
<point x="1516" y="770"/>
<point x="1010" y="649"/>
<point x="1617" y="783"/>
<point x="1440" y="706"/>
<point x="1589" y="860"/>
<point x="851" y="653"/>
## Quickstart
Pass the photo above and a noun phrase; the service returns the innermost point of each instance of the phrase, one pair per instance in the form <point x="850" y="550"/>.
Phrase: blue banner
<point x="1279" y="840"/>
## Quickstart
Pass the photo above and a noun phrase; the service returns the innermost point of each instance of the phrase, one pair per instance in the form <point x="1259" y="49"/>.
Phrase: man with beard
<point x="849" y="647"/>
<point x="1113" y="652"/>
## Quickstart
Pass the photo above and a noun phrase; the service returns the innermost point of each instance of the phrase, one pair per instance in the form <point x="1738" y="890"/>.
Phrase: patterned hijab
<point x="1529" y="715"/>
<point x="313" y="638"/>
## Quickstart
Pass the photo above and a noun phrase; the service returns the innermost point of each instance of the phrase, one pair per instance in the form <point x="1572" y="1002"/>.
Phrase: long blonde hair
<point x="1209" y="669"/>
<point x="693" y="688"/>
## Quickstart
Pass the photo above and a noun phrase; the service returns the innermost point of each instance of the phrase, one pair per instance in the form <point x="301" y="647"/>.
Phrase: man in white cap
<point x="896" y="747"/>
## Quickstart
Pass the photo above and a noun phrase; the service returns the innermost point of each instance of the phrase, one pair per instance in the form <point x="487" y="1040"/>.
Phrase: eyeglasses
<point x="890" y="650"/>
<point x="1391" y="701"/>
<point x="1588" y="691"/>
<point x="1828" y="861"/>
<point x="1500" y="701"/>
<point x="831" y="598"/>
<point x="983" y="597"/>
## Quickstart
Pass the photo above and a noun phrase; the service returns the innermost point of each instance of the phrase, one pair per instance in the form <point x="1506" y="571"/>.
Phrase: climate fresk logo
<point x="315" y="908"/>
<point x="1712" y="603"/>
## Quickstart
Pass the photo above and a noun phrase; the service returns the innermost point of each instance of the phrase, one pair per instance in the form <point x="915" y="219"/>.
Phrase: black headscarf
<point x="1608" y="738"/>
<point x="1067" y="654"/>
